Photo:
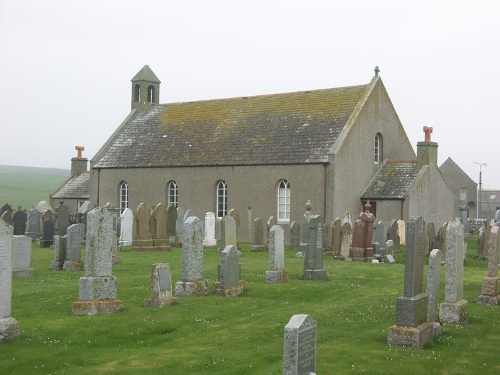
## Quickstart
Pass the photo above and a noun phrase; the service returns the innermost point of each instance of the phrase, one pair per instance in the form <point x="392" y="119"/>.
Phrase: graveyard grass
<point x="240" y="335"/>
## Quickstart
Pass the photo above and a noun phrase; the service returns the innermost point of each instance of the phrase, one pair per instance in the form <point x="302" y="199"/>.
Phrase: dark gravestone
<point x="33" y="228"/>
<point x="19" y="222"/>
<point x="47" y="233"/>
<point x="63" y="221"/>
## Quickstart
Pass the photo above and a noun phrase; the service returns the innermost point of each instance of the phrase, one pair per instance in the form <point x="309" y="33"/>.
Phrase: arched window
<point x="221" y="199"/>
<point x="283" y="195"/>
<point x="137" y="93"/>
<point x="379" y="156"/>
<point x="173" y="193"/>
<point x="151" y="94"/>
<point x="123" y="196"/>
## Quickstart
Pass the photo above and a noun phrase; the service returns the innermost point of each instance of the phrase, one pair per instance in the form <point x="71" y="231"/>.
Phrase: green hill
<point x="26" y="186"/>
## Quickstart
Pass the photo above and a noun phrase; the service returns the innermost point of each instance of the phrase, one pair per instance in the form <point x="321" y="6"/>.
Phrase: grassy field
<point x="26" y="186"/>
<point x="240" y="335"/>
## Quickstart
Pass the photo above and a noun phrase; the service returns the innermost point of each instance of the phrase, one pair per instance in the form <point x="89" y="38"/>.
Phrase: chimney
<point x="78" y="164"/>
<point x="427" y="150"/>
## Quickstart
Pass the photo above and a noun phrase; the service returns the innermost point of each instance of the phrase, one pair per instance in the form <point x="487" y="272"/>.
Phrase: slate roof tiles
<point x="392" y="180"/>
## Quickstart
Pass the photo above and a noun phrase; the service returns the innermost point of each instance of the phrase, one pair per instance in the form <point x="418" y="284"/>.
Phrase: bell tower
<point x="145" y="89"/>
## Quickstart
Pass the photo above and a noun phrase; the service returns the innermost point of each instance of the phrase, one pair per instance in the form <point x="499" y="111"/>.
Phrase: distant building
<point x="490" y="200"/>
<point x="463" y="187"/>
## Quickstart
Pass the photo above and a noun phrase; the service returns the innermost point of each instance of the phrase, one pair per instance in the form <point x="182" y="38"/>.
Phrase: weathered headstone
<point x="229" y="283"/>
<point x="209" y="233"/>
<point x="401" y="232"/>
<point x="74" y="239"/>
<point x="484" y="238"/>
<point x="345" y="239"/>
<point x="187" y="215"/>
<point x="336" y="238"/>
<point x="142" y="240"/>
<point x="464" y="215"/>
<point x="21" y="257"/>
<point x="7" y="217"/>
<point x="159" y="224"/>
<point x="161" y="287"/>
<point x="179" y="224"/>
<point x="60" y="245"/>
<point x="172" y="223"/>
<point x="236" y="216"/>
<point x="258" y="236"/>
<point x="299" y="357"/>
<point x="455" y="308"/>
<point x="326" y="237"/>
<point x="389" y="245"/>
<point x="62" y="222"/>
<point x="491" y="283"/>
<point x="412" y="328"/>
<point x="430" y="233"/>
<point x="295" y="235"/>
<point x="192" y="283"/>
<point x="6" y="207"/>
<point x="347" y="218"/>
<point x="433" y="276"/>
<point x="228" y="232"/>
<point x="277" y="273"/>
<point x="34" y="226"/>
<point x="361" y="249"/>
<point x="313" y="259"/>
<point x="392" y="234"/>
<point x="19" y="222"/>
<point x="126" y="227"/>
<point x="98" y="288"/>
<point x="379" y="238"/>
<point x="442" y="237"/>
<point x="9" y="329"/>
<point x="47" y="233"/>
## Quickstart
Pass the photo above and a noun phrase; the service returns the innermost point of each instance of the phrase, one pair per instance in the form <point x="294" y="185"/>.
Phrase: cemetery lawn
<point x="240" y="335"/>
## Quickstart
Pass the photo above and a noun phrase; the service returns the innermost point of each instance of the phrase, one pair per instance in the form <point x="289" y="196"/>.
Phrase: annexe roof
<point x="290" y="128"/>
<point x="76" y="187"/>
<point x="392" y="180"/>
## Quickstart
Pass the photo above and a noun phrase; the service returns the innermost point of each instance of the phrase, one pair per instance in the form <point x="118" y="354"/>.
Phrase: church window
<point x="221" y="199"/>
<point x="123" y="196"/>
<point x="463" y="193"/>
<point x="173" y="194"/>
<point x="151" y="94"/>
<point x="283" y="201"/>
<point x="137" y="93"/>
<point x="378" y="148"/>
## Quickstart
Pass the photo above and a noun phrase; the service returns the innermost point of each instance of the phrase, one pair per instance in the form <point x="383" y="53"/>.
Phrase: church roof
<point x="76" y="187"/>
<point x="392" y="180"/>
<point x="146" y="74"/>
<point x="290" y="128"/>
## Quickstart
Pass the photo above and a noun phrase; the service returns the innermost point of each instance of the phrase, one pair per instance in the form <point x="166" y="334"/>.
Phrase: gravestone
<point x="361" y="249"/>
<point x="236" y="216"/>
<point x="209" y="234"/>
<point x="7" y="217"/>
<point x="491" y="283"/>
<point x="228" y="232"/>
<point x="159" y="224"/>
<point x="172" y="223"/>
<point x="379" y="238"/>
<point x="179" y="224"/>
<point x="326" y="237"/>
<point x="192" y="283"/>
<point x="60" y="245"/>
<point x="299" y="357"/>
<point x="464" y="215"/>
<point x="345" y="239"/>
<point x="21" y="257"/>
<point x="430" y="233"/>
<point x="401" y="233"/>
<point x="313" y="259"/>
<point x="392" y="234"/>
<point x="9" y="329"/>
<point x="47" y="233"/>
<point x="336" y="239"/>
<point x="6" y="207"/>
<point x="126" y="227"/>
<point x="187" y="215"/>
<point x="74" y="239"/>
<point x="19" y="220"/>
<point x="412" y="328"/>
<point x="433" y="276"/>
<point x="389" y="245"/>
<point x="142" y="240"/>
<point x="277" y="273"/>
<point x="454" y="309"/>
<point x="161" y="287"/>
<point x="34" y="226"/>
<point x="62" y="222"/>
<point x="258" y="236"/>
<point x="484" y="238"/>
<point x="229" y="283"/>
<point x="98" y="288"/>
<point x="295" y="235"/>
<point x="442" y="239"/>
<point x="347" y="218"/>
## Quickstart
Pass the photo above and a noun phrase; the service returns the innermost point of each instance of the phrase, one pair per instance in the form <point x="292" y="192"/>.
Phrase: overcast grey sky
<point x="66" y="65"/>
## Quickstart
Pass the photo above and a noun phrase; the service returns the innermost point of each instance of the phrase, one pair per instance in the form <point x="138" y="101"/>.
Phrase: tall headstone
<point x="327" y="237"/>
<point x="277" y="273"/>
<point x="412" y="328"/>
<point x="62" y="222"/>
<point x="74" y="239"/>
<point x="21" y="257"/>
<point x="430" y="233"/>
<point x="345" y="239"/>
<point x="229" y="283"/>
<point x="34" y="225"/>
<point x="484" y="237"/>
<point x="442" y="238"/>
<point x="47" y="233"/>
<point x="228" y="232"/>
<point x="142" y="240"/>
<point x="9" y="329"/>
<point x="336" y="238"/>
<point x="126" y="227"/>
<point x="209" y="233"/>
<point x="455" y="308"/>
<point x="172" y="223"/>
<point x="392" y="234"/>
<point x="379" y="238"/>
<point x="401" y="232"/>
<point x="192" y="283"/>
<point x="98" y="288"/>
<point x="258" y="236"/>
<point x="299" y="357"/>
<point x="159" y="224"/>
<point x="491" y="283"/>
<point x="464" y="216"/>
<point x="295" y="235"/>
<point x="60" y="245"/>
<point x="313" y="259"/>
<point x="236" y="216"/>
<point x="361" y="249"/>
<point x="161" y="287"/>
<point x="19" y="222"/>
<point x="179" y="224"/>
<point x="433" y="276"/>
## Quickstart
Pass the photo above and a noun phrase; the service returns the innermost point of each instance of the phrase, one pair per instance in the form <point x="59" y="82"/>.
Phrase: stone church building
<point x="267" y="155"/>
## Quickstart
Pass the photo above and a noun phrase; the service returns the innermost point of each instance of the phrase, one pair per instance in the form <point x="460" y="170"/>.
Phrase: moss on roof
<point x="77" y="187"/>
<point x="392" y="180"/>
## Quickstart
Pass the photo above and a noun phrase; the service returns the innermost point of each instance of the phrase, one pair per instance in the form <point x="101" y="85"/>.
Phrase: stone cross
<point x="427" y="131"/>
